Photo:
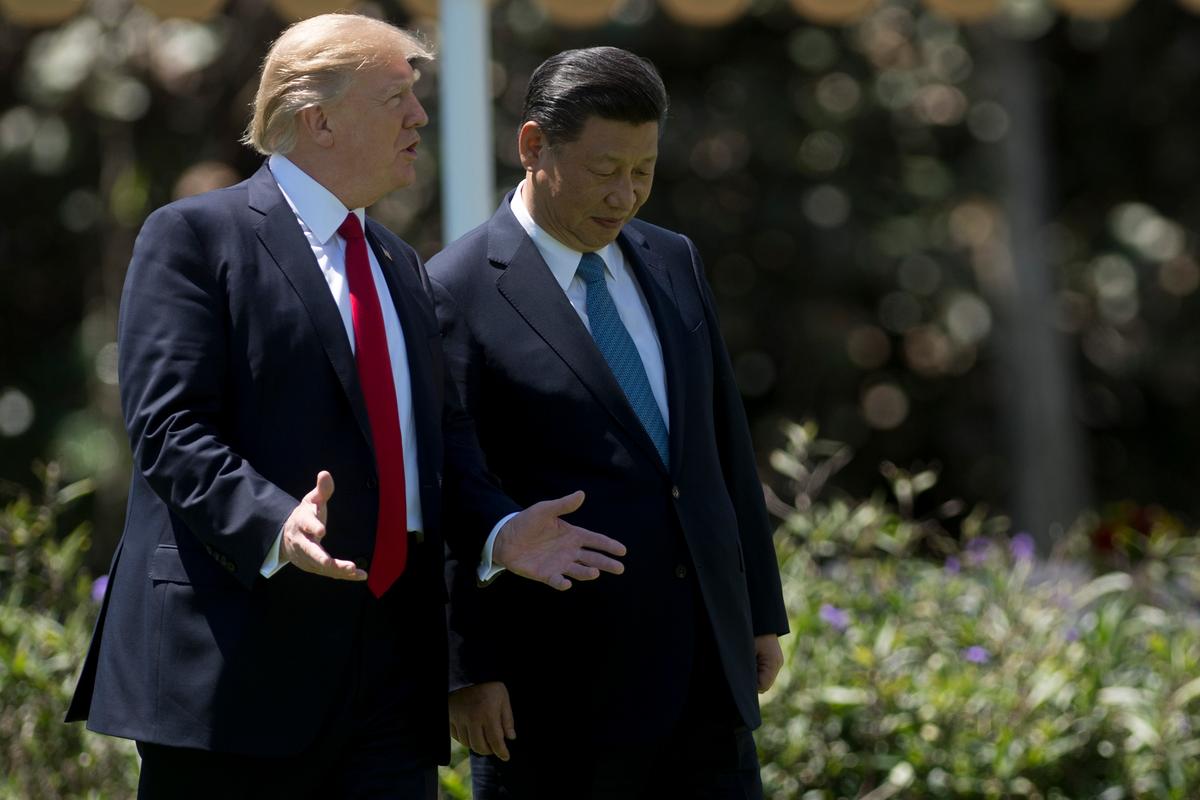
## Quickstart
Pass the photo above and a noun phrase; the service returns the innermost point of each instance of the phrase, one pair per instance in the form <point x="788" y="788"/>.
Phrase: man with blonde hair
<point x="259" y="636"/>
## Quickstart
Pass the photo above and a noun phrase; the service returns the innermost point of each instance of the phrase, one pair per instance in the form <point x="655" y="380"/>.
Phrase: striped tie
<point x="618" y="349"/>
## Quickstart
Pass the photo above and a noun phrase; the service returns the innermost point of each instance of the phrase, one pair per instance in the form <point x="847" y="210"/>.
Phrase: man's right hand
<point x="536" y="544"/>
<point x="305" y="528"/>
<point x="481" y="718"/>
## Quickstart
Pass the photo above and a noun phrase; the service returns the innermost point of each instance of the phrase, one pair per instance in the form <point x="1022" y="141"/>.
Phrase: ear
<point x="312" y="121"/>
<point x="531" y="145"/>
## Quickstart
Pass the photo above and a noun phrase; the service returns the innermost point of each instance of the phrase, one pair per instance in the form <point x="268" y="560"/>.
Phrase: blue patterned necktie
<point x="618" y="349"/>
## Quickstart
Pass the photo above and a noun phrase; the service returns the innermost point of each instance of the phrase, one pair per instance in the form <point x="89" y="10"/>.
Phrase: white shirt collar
<point x="563" y="261"/>
<point x="316" y="206"/>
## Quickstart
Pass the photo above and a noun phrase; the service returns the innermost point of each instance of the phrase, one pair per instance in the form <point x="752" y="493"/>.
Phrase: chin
<point x="402" y="181"/>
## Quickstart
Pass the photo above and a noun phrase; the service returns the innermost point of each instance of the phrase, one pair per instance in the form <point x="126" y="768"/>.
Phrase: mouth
<point x="611" y="223"/>
<point x="412" y="148"/>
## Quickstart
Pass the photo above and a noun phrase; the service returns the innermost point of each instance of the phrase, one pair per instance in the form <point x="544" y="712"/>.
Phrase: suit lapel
<point x="529" y="286"/>
<point x="655" y="281"/>
<point x="283" y="239"/>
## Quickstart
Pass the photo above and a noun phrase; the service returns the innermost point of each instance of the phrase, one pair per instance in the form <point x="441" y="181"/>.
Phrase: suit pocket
<point x="167" y="565"/>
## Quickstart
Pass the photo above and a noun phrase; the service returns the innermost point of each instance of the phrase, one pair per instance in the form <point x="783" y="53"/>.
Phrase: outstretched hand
<point x="536" y="544"/>
<point x="305" y="528"/>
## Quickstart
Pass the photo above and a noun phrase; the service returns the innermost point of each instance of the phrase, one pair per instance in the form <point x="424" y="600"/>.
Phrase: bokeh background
<point x="961" y="237"/>
<point x="959" y="232"/>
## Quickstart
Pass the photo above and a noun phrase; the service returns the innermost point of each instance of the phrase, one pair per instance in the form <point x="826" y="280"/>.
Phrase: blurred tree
<point x="945" y="243"/>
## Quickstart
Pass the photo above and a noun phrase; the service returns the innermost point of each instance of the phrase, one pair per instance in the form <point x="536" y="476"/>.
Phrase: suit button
<point x="675" y="492"/>
<point x="372" y="483"/>
<point x="680" y="571"/>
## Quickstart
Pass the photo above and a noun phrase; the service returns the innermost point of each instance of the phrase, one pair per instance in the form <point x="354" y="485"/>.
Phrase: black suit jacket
<point x="609" y="660"/>
<point x="238" y="385"/>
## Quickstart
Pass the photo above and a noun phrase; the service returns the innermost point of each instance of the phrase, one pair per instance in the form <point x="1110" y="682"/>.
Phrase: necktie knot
<point x="591" y="268"/>
<point x="351" y="228"/>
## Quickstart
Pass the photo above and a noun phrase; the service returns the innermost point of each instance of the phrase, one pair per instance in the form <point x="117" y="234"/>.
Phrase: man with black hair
<point x="260" y="636"/>
<point x="585" y="344"/>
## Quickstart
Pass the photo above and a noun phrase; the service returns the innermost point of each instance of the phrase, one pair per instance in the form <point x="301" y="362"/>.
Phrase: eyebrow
<point x="403" y="85"/>
<point x="611" y="157"/>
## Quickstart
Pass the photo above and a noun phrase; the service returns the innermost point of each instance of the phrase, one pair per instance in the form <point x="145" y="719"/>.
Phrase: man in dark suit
<point x="261" y="637"/>
<point x="585" y="344"/>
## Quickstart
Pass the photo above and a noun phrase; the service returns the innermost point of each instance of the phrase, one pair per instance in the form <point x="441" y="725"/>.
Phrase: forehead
<point x="396" y="71"/>
<point x="607" y="138"/>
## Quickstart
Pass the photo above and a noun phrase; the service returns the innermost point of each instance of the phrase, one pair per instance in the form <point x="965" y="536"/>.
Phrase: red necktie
<point x="379" y="390"/>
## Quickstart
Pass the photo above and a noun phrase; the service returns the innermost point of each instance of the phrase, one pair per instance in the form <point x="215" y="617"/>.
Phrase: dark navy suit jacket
<point x="608" y="660"/>
<point x="238" y="385"/>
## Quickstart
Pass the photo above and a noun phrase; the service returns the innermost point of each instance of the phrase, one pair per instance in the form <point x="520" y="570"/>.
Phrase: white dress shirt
<point x="320" y="214"/>
<point x="631" y="308"/>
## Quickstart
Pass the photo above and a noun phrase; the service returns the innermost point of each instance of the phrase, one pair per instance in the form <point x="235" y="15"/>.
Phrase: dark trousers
<point x="702" y="764"/>
<point x="709" y="756"/>
<point x="382" y="743"/>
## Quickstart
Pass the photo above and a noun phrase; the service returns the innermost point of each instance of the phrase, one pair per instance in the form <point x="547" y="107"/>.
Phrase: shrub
<point x="984" y="672"/>
<point x="47" y="610"/>
<point x="48" y="606"/>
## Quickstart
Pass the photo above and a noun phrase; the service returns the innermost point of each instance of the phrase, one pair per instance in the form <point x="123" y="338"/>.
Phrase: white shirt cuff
<point x="271" y="564"/>
<point x="487" y="570"/>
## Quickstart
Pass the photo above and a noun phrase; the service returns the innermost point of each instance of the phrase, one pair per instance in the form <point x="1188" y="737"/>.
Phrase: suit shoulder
<point x="672" y="244"/>
<point x="461" y="258"/>
<point x="216" y="207"/>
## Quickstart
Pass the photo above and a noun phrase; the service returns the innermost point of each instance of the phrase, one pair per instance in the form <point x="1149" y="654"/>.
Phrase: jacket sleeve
<point x="473" y="632"/>
<point x="472" y="500"/>
<point x="741" y="476"/>
<point x="173" y="364"/>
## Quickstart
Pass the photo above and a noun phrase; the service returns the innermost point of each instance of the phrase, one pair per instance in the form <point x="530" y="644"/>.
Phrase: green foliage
<point x="47" y="611"/>
<point x="990" y="674"/>
<point x="46" y="617"/>
<point x="930" y="657"/>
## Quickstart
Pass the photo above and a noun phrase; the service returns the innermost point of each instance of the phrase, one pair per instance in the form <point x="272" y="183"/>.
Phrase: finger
<point x="598" y="541"/>
<point x="558" y="582"/>
<point x="325" y="485"/>
<point x="495" y="738"/>
<point x="323" y="490"/>
<point x="767" y="674"/>
<point x="314" y="559"/>
<point x="479" y="742"/>
<point x="506" y="718"/>
<point x="563" y="505"/>
<point x="348" y="571"/>
<point x="581" y="573"/>
<point x="591" y="558"/>
<point x="320" y="494"/>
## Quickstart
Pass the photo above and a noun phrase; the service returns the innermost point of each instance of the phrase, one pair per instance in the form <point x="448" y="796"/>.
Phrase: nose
<point x="416" y="117"/>
<point x="622" y="195"/>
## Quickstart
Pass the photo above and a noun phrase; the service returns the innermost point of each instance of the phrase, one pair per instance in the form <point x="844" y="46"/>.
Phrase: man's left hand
<point x="769" y="656"/>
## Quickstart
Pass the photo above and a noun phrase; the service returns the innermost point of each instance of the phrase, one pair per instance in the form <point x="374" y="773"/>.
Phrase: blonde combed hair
<point x="313" y="63"/>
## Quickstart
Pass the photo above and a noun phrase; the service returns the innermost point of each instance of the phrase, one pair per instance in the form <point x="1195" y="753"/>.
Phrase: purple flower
<point x="99" y="586"/>
<point x="976" y="654"/>
<point x="835" y="617"/>
<point x="1072" y="634"/>
<point x="977" y="550"/>
<point x="1022" y="547"/>
<point x="953" y="565"/>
